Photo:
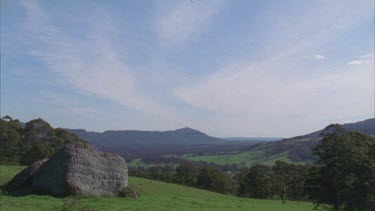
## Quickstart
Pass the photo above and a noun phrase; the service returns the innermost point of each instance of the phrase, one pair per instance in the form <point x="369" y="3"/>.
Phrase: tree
<point x="283" y="174"/>
<point x="290" y="180"/>
<point x="186" y="174"/>
<point x="344" y="174"/>
<point x="213" y="179"/>
<point x="167" y="173"/>
<point x="258" y="182"/>
<point x="37" y="140"/>
<point x="38" y="151"/>
<point x="10" y="140"/>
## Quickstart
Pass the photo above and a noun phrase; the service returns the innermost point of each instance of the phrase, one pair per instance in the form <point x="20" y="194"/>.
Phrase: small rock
<point x="129" y="192"/>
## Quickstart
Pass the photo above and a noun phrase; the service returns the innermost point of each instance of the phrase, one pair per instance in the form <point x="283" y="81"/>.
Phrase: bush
<point x="129" y="193"/>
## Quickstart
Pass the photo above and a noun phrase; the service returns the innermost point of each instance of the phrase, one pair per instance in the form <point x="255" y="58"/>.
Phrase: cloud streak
<point x="185" y="19"/>
<point x="89" y="65"/>
<point x="319" y="57"/>
<point x="365" y="59"/>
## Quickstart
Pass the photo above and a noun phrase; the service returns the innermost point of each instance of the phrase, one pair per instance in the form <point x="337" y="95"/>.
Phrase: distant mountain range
<point x="183" y="136"/>
<point x="134" y="143"/>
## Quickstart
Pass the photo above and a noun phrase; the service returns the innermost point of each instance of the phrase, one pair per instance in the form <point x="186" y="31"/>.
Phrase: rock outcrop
<point x="75" y="169"/>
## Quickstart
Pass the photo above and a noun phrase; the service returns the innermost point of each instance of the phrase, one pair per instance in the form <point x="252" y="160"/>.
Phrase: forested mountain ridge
<point x="141" y="144"/>
<point x="183" y="136"/>
<point x="366" y="127"/>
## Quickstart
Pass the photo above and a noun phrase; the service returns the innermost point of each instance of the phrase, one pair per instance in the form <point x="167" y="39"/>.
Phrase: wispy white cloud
<point x="65" y="105"/>
<point x="90" y="65"/>
<point x="369" y="55"/>
<point x="365" y="59"/>
<point x="319" y="57"/>
<point x="186" y="18"/>
<point x="358" y="62"/>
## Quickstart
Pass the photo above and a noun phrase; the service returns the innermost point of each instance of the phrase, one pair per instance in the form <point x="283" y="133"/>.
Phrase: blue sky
<point x="228" y="68"/>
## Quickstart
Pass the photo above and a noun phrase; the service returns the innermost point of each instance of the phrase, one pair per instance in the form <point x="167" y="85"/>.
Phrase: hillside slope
<point x="154" y="196"/>
<point x="296" y="149"/>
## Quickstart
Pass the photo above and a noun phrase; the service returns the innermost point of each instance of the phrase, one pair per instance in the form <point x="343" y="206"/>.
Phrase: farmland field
<point x="242" y="159"/>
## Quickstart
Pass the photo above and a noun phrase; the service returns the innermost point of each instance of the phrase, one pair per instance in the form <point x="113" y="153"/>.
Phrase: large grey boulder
<point x="80" y="169"/>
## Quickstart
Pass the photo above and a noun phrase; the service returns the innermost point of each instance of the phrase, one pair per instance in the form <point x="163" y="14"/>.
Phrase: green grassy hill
<point x="154" y="196"/>
<point x="265" y="153"/>
<point x="247" y="158"/>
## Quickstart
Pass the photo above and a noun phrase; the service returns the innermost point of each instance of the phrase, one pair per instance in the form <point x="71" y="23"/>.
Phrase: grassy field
<point x="243" y="158"/>
<point x="154" y="196"/>
<point x="138" y="162"/>
<point x="8" y="172"/>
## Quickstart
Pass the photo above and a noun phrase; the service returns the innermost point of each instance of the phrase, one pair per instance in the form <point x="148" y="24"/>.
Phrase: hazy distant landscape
<point x="190" y="158"/>
<point x="187" y="105"/>
<point x="170" y="147"/>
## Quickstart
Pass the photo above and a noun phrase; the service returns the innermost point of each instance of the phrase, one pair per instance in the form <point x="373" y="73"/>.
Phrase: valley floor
<point x="155" y="195"/>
